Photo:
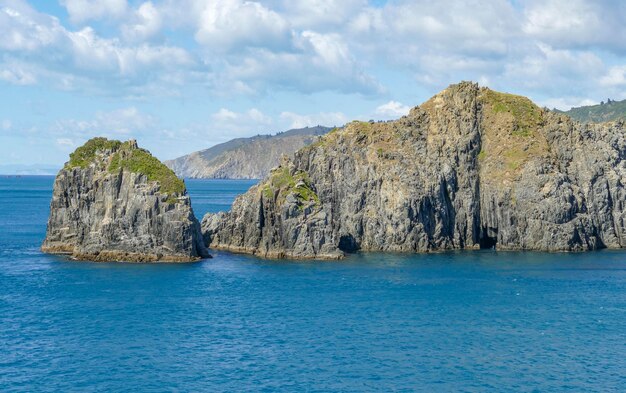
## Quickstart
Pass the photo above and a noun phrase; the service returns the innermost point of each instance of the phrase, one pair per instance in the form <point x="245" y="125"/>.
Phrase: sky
<point x="183" y="75"/>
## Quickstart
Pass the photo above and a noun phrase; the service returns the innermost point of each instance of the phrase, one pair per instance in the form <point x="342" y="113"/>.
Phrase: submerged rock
<point x="470" y="168"/>
<point x="115" y="202"/>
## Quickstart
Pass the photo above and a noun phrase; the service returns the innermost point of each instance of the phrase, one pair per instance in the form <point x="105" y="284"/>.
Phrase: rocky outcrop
<point x="115" y="202"/>
<point x="244" y="158"/>
<point x="470" y="168"/>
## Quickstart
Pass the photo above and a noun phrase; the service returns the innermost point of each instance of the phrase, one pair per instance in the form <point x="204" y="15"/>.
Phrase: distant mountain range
<point x="244" y="158"/>
<point x="35" y="169"/>
<point x="606" y="111"/>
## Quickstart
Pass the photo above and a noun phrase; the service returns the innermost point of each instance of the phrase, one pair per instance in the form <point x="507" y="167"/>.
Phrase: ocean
<point x="458" y="321"/>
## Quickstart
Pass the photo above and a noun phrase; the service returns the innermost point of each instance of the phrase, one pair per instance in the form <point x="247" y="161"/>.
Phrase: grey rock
<point x="103" y="210"/>
<point x="470" y="168"/>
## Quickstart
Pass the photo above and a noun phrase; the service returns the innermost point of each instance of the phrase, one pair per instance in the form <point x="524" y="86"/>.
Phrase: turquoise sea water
<point x="471" y="321"/>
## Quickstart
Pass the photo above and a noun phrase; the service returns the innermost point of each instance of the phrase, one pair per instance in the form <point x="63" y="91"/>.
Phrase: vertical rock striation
<point x="115" y="202"/>
<point x="469" y="168"/>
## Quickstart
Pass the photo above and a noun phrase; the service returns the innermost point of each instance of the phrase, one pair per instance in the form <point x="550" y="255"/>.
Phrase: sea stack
<point x="114" y="201"/>
<point x="470" y="168"/>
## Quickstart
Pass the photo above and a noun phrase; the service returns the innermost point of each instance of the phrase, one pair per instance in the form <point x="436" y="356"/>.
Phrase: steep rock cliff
<point x="469" y="168"/>
<point x="115" y="202"/>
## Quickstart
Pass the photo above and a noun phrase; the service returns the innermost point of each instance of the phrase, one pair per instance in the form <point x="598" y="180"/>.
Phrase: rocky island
<point x="470" y="168"/>
<point x="114" y="201"/>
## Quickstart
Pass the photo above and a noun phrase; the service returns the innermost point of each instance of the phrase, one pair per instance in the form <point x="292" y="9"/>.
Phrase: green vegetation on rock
<point x="141" y="161"/>
<point x="86" y="154"/>
<point x="511" y="135"/>
<point x="323" y="140"/>
<point x="526" y="115"/>
<point x="126" y="156"/>
<point x="284" y="182"/>
<point x="362" y="126"/>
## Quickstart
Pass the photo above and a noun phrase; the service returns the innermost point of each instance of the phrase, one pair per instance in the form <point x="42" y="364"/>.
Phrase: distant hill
<point x="607" y="111"/>
<point x="34" y="169"/>
<point x="244" y="158"/>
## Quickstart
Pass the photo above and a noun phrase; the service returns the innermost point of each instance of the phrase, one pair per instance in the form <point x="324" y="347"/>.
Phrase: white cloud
<point x="6" y="125"/>
<point x="553" y="70"/>
<point x="226" y="124"/>
<point x="320" y="62"/>
<point x="232" y="123"/>
<point x="615" y="77"/>
<point x="392" y="110"/>
<point x="39" y="48"/>
<point x="567" y="103"/>
<point x="297" y="54"/>
<point x="124" y="122"/>
<point x="554" y="49"/>
<point x="329" y="50"/>
<point x="94" y="53"/>
<point x="225" y="115"/>
<point x="443" y="27"/>
<point x="65" y="142"/>
<point x="295" y="120"/>
<point x="233" y="24"/>
<point x="146" y="22"/>
<point x="23" y="29"/>
<point x="257" y="116"/>
<point x="84" y="10"/>
<point x="15" y="75"/>
<point x="577" y="23"/>
<point x="311" y="14"/>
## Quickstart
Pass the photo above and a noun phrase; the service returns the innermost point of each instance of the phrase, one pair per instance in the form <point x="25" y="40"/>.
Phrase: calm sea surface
<point x="471" y="321"/>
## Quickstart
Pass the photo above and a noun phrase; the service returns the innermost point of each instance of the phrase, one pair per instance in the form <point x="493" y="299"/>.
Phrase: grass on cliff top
<point x="323" y="140"/>
<point x="511" y="136"/>
<point x="85" y="155"/>
<point x="127" y="156"/>
<point x="141" y="161"/>
<point x="282" y="180"/>
<point x="526" y="115"/>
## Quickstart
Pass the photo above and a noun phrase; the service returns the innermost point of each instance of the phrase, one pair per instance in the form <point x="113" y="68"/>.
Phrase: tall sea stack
<point x="116" y="202"/>
<point x="470" y="168"/>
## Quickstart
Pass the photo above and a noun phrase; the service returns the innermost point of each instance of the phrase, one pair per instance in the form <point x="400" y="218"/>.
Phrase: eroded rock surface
<point x="115" y="202"/>
<point x="469" y="168"/>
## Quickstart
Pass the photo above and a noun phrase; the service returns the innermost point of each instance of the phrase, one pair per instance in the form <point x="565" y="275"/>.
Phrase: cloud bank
<point x="249" y="66"/>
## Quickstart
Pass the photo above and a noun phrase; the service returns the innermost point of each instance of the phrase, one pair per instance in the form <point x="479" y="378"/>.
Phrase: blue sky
<point x="182" y="75"/>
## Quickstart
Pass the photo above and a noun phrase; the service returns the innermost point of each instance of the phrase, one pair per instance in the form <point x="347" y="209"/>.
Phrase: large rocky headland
<point x="114" y="201"/>
<point x="470" y="168"/>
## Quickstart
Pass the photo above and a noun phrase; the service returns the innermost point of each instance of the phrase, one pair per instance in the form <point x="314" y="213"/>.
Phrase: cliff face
<point x="244" y="158"/>
<point x="469" y="168"/>
<point x="115" y="202"/>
